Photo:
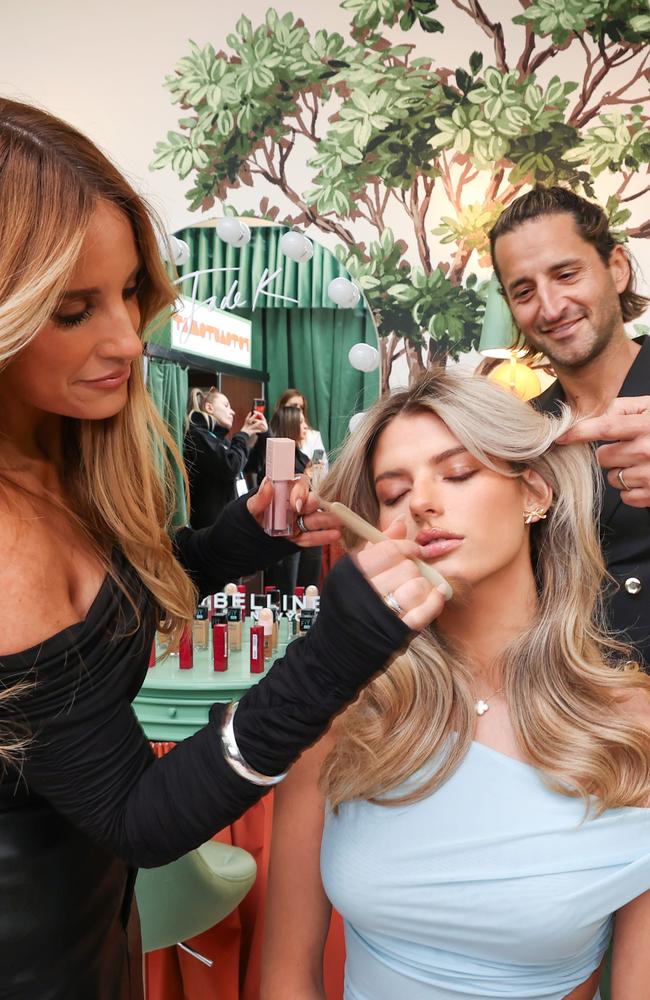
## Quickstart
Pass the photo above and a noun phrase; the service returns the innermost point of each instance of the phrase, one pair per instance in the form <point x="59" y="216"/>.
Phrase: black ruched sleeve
<point x="89" y="757"/>
<point x="233" y="546"/>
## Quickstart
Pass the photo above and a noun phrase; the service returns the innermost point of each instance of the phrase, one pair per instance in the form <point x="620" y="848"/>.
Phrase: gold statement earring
<point x="534" y="515"/>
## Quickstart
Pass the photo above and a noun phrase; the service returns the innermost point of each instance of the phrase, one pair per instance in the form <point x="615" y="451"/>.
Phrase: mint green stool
<point x="192" y="894"/>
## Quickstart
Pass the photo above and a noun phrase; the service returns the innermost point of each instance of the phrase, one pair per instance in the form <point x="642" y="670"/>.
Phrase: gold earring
<point x="534" y="515"/>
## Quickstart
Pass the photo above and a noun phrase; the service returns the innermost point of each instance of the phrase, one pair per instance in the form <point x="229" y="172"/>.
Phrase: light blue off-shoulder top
<point x="493" y="886"/>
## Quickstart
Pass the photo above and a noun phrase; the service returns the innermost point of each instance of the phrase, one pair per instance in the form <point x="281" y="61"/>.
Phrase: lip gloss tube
<point x="220" y="647"/>
<point x="280" y="469"/>
<point x="266" y="621"/>
<point x="257" y="649"/>
<point x="186" y="651"/>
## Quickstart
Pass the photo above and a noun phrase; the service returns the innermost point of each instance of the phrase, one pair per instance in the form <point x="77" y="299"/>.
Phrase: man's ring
<point x="391" y="601"/>
<point x="301" y="524"/>
<point x="619" y="476"/>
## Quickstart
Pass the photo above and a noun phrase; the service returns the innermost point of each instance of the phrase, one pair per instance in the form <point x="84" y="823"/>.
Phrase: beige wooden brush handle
<point x="371" y="534"/>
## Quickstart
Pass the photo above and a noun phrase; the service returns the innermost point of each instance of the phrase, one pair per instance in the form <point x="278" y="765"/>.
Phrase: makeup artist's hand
<point x="322" y="528"/>
<point x="389" y="568"/>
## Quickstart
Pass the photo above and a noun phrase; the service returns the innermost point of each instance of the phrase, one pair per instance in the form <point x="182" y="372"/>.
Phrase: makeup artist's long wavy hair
<point x="563" y="677"/>
<point x="118" y="473"/>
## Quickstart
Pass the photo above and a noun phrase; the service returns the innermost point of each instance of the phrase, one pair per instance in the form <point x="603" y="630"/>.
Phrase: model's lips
<point x="110" y="381"/>
<point x="436" y="542"/>
<point x="561" y="330"/>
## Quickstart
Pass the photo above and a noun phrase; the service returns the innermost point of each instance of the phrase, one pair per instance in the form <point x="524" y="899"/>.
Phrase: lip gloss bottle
<point x="186" y="651"/>
<point x="257" y="649"/>
<point x="280" y="469"/>
<point x="220" y="647"/>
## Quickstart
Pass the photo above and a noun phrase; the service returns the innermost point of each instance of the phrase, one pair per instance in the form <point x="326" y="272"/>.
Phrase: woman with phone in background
<point x="216" y="465"/>
<point x="311" y="440"/>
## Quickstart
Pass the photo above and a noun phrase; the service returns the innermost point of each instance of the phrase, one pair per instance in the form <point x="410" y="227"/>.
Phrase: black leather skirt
<point x="68" y="924"/>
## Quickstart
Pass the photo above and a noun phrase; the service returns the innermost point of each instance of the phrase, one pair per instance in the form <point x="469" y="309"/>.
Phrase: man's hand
<point x="626" y="423"/>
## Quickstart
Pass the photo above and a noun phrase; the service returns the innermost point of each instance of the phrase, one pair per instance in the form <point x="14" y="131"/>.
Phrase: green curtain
<point x="303" y="345"/>
<point x="167" y="384"/>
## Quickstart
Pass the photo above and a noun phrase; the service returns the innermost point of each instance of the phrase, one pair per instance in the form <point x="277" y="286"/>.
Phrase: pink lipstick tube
<point x="279" y="519"/>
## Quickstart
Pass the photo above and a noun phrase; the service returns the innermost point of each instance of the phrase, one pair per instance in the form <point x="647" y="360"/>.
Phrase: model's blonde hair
<point x="563" y="677"/>
<point x="118" y="473"/>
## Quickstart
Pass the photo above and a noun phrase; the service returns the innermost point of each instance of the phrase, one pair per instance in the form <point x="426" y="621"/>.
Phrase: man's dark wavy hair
<point x="591" y="223"/>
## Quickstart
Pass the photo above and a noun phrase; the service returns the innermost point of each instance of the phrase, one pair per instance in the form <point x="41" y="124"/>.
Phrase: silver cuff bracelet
<point x="232" y="753"/>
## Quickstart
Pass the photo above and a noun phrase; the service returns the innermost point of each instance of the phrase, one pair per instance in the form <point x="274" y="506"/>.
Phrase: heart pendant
<point x="481" y="707"/>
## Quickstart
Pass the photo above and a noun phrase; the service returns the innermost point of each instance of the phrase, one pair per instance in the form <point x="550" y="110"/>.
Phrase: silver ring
<point x="391" y="601"/>
<point x="619" y="476"/>
<point x="301" y="524"/>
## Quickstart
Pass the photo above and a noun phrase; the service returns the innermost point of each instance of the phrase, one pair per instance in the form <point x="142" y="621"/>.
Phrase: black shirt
<point x="91" y="799"/>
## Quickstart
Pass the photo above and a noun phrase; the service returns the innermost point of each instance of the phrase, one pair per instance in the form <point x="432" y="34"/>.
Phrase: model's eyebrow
<point x="87" y="293"/>
<point x="570" y="262"/>
<point x="435" y="460"/>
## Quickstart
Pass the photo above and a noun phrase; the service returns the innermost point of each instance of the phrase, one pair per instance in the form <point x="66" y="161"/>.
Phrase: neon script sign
<point x="208" y="328"/>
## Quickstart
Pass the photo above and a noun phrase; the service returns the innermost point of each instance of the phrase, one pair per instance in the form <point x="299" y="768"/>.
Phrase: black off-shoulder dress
<point x="91" y="804"/>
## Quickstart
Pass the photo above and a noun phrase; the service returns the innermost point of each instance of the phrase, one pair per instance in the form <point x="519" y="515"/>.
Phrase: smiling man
<point x="570" y="288"/>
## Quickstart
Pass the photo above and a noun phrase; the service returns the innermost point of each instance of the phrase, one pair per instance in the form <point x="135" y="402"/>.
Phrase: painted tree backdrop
<point x="385" y="132"/>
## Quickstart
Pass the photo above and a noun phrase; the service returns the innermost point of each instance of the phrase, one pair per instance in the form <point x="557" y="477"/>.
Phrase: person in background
<point x="311" y="439"/>
<point x="216" y="464"/>
<point x="289" y="422"/>
<point x="480" y="816"/>
<point x="570" y="286"/>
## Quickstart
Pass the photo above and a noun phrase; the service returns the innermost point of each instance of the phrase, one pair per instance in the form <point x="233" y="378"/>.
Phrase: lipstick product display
<point x="266" y="621"/>
<point x="201" y="627"/>
<point x="220" y="647"/>
<point x="186" y="651"/>
<point x="235" y="629"/>
<point x="257" y="649"/>
<point x="280" y="469"/>
<point x="311" y="593"/>
<point x="307" y="616"/>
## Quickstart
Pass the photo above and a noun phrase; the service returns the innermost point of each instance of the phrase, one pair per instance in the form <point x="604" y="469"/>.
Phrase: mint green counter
<point x="173" y="703"/>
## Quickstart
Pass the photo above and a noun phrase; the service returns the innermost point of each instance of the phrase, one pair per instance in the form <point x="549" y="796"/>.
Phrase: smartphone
<point x="318" y="455"/>
<point x="259" y="406"/>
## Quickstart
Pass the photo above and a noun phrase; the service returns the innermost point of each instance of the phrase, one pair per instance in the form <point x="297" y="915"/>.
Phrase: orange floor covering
<point x="235" y="944"/>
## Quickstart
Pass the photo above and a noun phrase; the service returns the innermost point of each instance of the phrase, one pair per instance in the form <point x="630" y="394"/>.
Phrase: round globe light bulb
<point x="521" y="380"/>
<point x="364" y="357"/>
<point x="233" y="231"/>
<point x="355" y="421"/>
<point x="344" y="293"/>
<point x="297" y="247"/>
<point x="181" y="252"/>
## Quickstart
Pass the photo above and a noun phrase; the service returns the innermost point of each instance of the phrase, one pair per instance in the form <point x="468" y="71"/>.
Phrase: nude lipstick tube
<point x="257" y="649"/>
<point x="220" y="647"/>
<point x="280" y="469"/>
<point x="234" y="629"/>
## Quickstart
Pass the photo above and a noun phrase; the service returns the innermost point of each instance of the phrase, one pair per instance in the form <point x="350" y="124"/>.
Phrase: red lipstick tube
<point x="186" y="651"/>
<point x="257" y="649"/>
<point x="220" y="647"/>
